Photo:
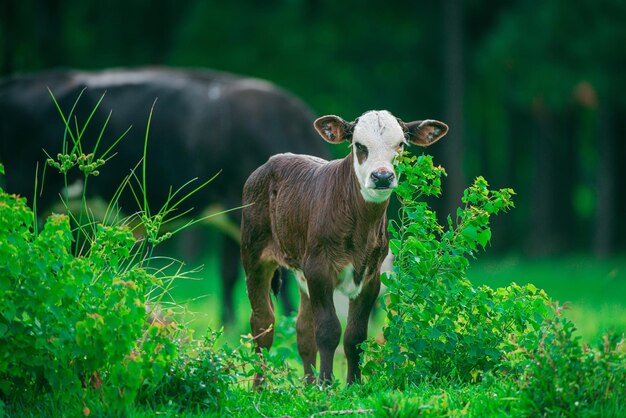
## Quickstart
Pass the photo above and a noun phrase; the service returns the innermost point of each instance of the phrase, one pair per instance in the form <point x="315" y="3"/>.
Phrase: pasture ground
<point x="595" y="290"/>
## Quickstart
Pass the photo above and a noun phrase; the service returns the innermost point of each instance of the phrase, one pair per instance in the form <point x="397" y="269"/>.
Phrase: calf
<point x="326" y="221"/>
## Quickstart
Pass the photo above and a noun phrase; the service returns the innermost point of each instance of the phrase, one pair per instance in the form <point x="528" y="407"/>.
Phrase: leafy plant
<point x="71" y="324"/>
<point x="438" y="324"/>
<point x="205" y="374"/>
<point x="557" y="374"/>
<point x="74" y="323"/>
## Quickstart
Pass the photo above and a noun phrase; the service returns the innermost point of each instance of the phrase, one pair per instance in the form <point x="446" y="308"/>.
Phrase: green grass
<point x="365" y="400"/>
<point x="594" y="289"/>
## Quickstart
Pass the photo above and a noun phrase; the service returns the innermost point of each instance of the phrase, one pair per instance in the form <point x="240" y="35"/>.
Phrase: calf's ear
<point x="334" y="129"/>
<point x="424" y="132"/>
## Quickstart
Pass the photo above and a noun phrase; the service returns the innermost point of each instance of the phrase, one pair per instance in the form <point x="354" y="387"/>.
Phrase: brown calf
<point x="326" y="221"/>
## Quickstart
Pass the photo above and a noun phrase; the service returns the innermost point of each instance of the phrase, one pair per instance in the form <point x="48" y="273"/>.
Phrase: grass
<point x="365" y="400"/>
<point x="594" y="289"/>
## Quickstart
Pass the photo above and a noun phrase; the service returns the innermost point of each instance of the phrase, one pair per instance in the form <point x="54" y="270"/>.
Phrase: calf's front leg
<point x="356" y="328"/>
<point x="327" y="327"/>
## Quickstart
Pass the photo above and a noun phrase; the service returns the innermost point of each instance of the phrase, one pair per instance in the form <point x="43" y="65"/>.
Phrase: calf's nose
<point x="382" y="178"/>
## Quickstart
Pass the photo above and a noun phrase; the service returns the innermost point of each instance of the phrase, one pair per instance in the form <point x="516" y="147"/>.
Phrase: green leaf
<point x="434" y="333"/>
<point x="5" y="283"/>
<point x="470" y="232"/>
<point x="484" y="237"/>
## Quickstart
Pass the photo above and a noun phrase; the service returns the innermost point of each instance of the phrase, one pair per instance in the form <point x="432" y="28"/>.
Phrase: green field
<point x="594" y="289"/>
<point x="216" y="381"/>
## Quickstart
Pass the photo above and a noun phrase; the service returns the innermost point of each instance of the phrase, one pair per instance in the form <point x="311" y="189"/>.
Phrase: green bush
<point x="199" y="377"/>
<point x="206" y="376"/>
<point x="440" y="328"/>
<point x="72" y="324"/>
<point x="74" y="328"/>
<point x="438" y="324"/>
<point x="558" y="375"/>
<point x="75" y="331"/>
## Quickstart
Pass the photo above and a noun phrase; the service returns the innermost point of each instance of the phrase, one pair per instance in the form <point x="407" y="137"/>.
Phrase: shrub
<point x="74" y="329"/>
<point x="437" y="323"/>
<point x="199" y="376"/>
<point x="557" y="375"/>
<point x="73" y="324"/>
<point x="204" y="374"/>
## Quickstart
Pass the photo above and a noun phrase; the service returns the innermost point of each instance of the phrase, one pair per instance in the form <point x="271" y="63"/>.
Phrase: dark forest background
<point x="534" y="91"/>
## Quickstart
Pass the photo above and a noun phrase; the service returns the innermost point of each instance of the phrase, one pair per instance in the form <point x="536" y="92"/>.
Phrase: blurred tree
<point x="532" y="90"/>
<point x="49" y="31"/>
<point x="7" y="36"/>
<point x="454" y="82"/>
<point x="606" y="218"/>
<point x="537" y="55"/>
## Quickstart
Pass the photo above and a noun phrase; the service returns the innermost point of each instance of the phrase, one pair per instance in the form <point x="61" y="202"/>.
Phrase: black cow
<point x="203" y="122"/>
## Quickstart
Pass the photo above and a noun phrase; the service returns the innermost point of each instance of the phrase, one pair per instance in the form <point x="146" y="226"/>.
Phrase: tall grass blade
<point x="35" y="226"/>
<point x="146" y="208"/>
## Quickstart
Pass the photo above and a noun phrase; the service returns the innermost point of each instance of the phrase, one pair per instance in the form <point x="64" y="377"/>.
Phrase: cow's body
<point x="326" y="221"/>
<point x="203" y="122"/>
<point x="355" y="234"/>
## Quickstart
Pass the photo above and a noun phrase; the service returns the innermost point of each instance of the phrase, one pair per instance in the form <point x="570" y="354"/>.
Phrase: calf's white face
<point x="378" y="138"/>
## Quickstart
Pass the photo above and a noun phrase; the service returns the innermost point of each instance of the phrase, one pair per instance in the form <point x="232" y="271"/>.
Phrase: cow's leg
<point x="356" y="328"/>
<point x="306" y="336"/>
<point x="327" y="327"/>
<point x="229" y="267"/>
<point x="258" y="283"/>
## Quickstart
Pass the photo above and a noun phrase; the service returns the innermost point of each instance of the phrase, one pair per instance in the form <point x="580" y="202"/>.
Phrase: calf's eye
<point x="360" y="147"/>
<point x="361" y="152"/>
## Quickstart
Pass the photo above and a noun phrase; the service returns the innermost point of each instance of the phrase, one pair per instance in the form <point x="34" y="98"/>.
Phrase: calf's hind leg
<point x="305" y="331"/>
<point x="258" y="283"/>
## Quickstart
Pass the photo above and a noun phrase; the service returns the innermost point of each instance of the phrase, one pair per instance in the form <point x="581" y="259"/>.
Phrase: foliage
<point x="76" y="332"/>
<point x="74" y="322"/>
<point x="205" y="375"/>
<point x="70" y="324"/>
<point x="438" y="324"/>
<point x="199" y="376"/>
<point x="559" y="375"/>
